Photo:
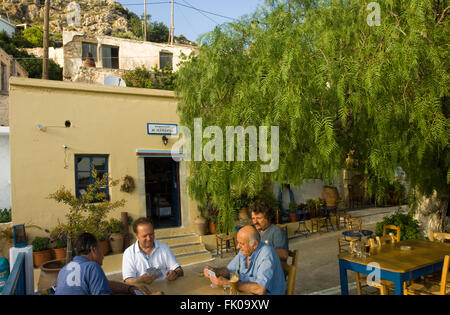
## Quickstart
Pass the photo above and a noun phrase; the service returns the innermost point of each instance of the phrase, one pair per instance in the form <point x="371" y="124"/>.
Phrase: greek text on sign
<point x="162" y="129"/>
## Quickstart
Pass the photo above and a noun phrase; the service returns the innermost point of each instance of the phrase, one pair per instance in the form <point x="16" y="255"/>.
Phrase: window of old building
<point x="165" y="58"/>
<point x="110" y="57"/>
<point x="89" y="48"/>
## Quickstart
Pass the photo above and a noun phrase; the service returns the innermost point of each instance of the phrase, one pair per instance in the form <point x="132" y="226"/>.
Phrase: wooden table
<point x="192" y="284"/>
<point x="396" y="265"/>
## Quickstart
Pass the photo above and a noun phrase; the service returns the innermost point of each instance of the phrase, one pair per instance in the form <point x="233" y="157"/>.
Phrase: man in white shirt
<point x="148" y="259"/>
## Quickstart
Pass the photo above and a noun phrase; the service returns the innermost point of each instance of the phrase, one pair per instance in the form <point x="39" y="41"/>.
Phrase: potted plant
<point x="58" y="240"/>
<point x="116" y="237"/>
<point x="102" y="235"/>
<point x="213" y="214"/>
<point x="87" y="212"/>
<point x="41" y="250"/>
<point x="293" y="207"/>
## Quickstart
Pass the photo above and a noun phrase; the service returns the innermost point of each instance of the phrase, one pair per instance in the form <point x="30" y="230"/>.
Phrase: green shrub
<point x="115" y="226"/>
<point x="40" y="244"/>
<point x="409" y="228"/>
<point x="5" y="215"/>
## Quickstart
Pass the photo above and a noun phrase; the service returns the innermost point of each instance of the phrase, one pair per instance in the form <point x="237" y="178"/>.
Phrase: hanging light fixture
<point x="165" y="140"/>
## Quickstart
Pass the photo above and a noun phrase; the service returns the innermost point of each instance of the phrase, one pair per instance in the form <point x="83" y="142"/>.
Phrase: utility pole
<point x="171" y="27"/>
<point x="46" y="27"/>
<point x="145" y="20"/>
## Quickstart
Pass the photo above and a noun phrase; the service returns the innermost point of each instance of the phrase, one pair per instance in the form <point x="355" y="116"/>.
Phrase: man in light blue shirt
<point x="258" y="266"/>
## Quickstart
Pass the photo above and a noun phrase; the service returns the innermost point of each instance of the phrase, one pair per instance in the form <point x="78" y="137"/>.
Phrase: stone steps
<point x="187" y="248"/>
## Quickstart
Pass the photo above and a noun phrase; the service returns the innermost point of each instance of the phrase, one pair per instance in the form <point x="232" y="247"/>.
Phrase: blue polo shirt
<point x="265" y="269"/>
<point x="82" y="277"/>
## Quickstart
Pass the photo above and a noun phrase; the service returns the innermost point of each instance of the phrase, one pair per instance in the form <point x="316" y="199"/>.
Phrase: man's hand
<point x="147" y="279"/>
<point x="205" y="273"/>
<point x="171" y="275"/>
<point x="158" y="293"/>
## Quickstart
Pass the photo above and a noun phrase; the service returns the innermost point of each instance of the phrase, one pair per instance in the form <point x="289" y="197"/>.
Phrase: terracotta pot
<point x="104" y="246"/>
<point x="330" y="194"/>
<point x="201" y="226"/>
<point x="116" y="242"/>
<point x="212" y="227"/>
<point x="293" y="217"/>
<point x="49" y="273"/>
<point x="59" y="253"/>
<point x="41" y="257"/>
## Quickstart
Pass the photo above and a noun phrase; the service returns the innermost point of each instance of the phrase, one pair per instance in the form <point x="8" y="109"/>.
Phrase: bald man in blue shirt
<point x="258" y="266"/>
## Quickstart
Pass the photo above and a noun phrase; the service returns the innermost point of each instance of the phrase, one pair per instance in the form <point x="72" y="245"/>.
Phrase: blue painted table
<point x="393" y="264"/>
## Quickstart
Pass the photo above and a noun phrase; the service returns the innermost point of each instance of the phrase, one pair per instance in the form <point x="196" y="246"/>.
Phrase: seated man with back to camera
<point x="257" y="266"/>
<point x="84" y="275"/>
<point x="148" y="259"/>
<point x="263" y="218"/>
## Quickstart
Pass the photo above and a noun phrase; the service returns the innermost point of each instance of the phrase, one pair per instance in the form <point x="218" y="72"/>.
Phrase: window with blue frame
<point x="84" y="166"/>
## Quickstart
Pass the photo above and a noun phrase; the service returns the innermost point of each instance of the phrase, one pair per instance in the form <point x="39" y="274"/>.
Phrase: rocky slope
<point x="99" y="17"/>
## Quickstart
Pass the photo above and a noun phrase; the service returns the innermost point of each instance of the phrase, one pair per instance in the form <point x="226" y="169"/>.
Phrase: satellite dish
<point x="114" y="81"/>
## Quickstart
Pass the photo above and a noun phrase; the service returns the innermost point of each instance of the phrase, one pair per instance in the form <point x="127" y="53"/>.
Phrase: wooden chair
<point x="291" y="271"/>
<point x="225" y="241"/>
<point x="361" y="280"/>
<point x="440" y="237"/>
<point x="392" y="227"/>
<point x="341" y="214"/>
<point x="431" y="288"/>
<point x="284" y="227"/>
<point x="352" y="224"/>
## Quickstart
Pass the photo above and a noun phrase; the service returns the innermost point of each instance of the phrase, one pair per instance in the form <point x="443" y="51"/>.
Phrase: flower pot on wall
<point x="330" y="194"/>
<point x="41" y="257"/>
<point x="59" y="253"/>
<point x="212" y="227"/>
<point x="292" y="217"/>
<point x="116" y="242"/>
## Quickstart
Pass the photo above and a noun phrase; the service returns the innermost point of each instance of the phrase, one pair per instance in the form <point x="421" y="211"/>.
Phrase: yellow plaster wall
<point x="105" y="120"/>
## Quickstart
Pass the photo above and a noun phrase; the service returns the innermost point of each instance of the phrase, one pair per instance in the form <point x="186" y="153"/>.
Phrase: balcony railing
<point x="15" y="285"/>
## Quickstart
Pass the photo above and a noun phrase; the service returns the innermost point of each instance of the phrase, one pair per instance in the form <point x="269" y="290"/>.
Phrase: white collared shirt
<point x="135" y="262"/>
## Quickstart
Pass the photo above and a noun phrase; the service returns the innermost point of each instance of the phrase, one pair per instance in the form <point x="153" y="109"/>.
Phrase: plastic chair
<point x="291" y="271"/>
<point x="431" y="288"/>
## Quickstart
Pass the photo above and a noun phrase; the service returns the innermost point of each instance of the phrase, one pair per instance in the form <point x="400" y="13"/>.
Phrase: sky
<point x="188" y="21"/>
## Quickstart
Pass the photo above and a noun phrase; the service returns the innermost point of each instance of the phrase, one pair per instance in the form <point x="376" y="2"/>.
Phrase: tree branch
<point x="442" y="15"/>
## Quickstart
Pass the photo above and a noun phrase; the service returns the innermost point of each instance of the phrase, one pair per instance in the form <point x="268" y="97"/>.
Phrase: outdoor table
<point x="395" y="264"/>
<point x="192" y="284"/>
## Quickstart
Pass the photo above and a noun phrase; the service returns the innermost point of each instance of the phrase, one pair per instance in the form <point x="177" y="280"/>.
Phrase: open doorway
<point x="162" y="191"/>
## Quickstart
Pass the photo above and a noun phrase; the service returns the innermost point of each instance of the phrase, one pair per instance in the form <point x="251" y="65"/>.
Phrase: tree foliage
<point x="140" y="77"/>
<point x="334" y="85"/>
<point x="30" y="63"/>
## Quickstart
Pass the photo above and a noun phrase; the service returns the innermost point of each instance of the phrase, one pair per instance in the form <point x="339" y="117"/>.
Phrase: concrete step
<point x="187" y="249"/>
<point x="178" y="240"/>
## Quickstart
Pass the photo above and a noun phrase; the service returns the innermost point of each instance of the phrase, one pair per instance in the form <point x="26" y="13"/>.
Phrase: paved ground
<point x="317" y="269"/>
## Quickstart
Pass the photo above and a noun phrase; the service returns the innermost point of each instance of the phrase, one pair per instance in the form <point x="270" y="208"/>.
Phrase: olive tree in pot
<point x="87" y="213"/>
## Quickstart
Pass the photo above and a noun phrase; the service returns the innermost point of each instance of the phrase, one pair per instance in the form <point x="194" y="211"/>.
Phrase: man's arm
<point x="251" y="287"/>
